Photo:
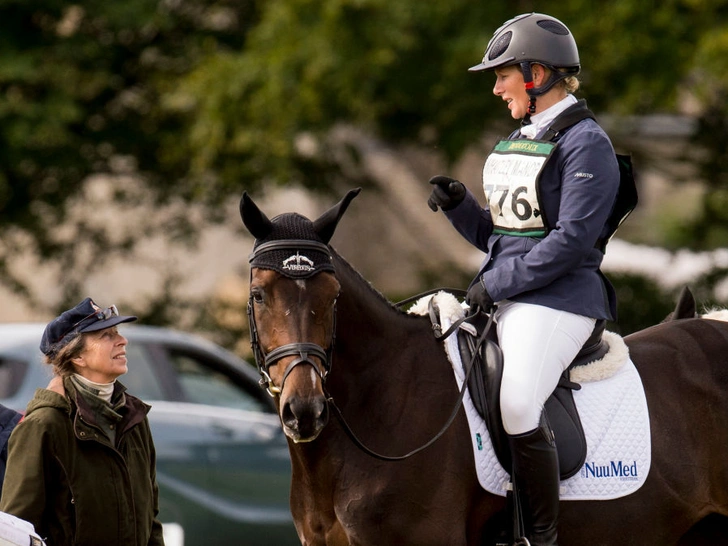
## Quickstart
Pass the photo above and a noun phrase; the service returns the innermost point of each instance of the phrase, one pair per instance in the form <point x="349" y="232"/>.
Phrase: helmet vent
<point x="553" y="27"/>
<point x="500" y="46"/>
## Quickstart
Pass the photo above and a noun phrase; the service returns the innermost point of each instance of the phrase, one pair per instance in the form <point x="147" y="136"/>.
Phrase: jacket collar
<point x="134" y="410"/>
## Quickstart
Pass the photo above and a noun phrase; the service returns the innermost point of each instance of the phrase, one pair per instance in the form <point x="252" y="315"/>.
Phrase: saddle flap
<point x="484" y="389"/>
<point x="564" y="419"/>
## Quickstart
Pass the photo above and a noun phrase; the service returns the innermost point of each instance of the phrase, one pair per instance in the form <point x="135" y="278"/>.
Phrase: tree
<point x="192" y="101"/>
<point x="83" y="89"/>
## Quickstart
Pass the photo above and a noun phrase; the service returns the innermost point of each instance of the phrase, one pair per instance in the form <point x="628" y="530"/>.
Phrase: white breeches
<point x="538" y="344"/>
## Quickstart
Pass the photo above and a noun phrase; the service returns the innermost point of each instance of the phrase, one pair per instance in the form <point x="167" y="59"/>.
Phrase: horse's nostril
<point x="323" y="415"/>
<point x="304" y="416"/>
<point x="296" y="409"/>
<point x="323" y="409"/>
<point x="288" y="415"/>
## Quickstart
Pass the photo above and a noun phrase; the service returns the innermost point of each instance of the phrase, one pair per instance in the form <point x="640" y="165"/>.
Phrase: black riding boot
<point x="536" y="469"/>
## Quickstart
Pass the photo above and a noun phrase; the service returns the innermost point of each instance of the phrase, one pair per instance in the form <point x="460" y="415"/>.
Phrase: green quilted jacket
<point x="77" y="489"/>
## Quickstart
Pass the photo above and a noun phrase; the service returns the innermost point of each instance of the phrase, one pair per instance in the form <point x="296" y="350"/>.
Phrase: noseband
<point x="304" y="350"/>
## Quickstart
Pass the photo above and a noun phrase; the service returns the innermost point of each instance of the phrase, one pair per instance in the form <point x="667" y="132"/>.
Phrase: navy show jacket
<point x="578" y="188"/>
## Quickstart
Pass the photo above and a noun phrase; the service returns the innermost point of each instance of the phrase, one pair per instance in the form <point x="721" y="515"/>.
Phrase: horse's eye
<point x="257" y="295"/>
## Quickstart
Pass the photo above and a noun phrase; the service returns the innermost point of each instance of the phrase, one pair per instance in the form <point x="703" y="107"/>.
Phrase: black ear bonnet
<point x="292" y="244"/>
<point x="300" y="253"/>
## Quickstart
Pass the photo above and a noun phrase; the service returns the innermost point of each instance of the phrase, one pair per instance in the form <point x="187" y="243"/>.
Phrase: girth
<point x="560" y="409"/>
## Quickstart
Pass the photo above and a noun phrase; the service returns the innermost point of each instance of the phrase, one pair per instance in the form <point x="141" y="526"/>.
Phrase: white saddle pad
<point x="613" y="414"/>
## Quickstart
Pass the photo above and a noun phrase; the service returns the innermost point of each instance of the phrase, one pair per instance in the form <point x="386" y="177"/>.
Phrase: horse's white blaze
<point x="314" y="377"/>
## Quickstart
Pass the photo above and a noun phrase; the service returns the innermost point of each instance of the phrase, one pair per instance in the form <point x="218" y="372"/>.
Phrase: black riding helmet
<point x="533" y="38"/>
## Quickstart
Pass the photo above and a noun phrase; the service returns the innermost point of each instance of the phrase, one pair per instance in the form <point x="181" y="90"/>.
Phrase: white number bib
<point x="510" y="180"/>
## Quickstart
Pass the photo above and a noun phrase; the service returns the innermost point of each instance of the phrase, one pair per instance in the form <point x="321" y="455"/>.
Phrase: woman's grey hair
<point x="62" y="360"/>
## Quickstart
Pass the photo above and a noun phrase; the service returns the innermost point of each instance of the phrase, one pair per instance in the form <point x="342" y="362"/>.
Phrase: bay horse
<point x="325" y="339"/>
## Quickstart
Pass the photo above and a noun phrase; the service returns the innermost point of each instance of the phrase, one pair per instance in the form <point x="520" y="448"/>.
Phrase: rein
<point x="305" y="350"/>
<point x="453" y="414"/>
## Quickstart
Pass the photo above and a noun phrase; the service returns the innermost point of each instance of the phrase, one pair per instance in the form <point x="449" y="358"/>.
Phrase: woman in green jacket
<point x="81" y="465"/>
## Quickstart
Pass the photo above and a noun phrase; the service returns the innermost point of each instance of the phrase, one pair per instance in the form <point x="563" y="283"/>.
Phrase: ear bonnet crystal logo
<point x="298" y="263"/>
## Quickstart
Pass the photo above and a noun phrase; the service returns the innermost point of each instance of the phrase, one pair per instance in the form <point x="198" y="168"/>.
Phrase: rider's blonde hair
<point x="571" y="84"/>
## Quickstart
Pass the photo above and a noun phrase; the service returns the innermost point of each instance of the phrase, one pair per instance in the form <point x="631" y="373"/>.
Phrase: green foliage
<point x="709" y="228"/>
<point x="203" y="98"/>
<point x="642" y="303"/>
<point x="399" y="69"/>
<point x="395" y="68"/>
<point x="80" y="93"/>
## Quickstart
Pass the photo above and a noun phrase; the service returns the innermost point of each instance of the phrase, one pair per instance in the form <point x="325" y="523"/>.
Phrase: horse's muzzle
<point x="303" y="418"/>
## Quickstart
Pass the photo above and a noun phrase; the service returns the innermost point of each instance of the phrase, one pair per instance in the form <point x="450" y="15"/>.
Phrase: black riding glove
<point x="447" y="193"/>
<point x="478" y="295"/>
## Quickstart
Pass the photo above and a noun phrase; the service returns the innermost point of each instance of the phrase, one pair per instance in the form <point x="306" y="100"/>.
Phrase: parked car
<point x="222" y="460"/>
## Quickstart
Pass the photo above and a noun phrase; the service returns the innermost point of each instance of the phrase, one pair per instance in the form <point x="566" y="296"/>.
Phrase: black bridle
<point x="304" y="350"/>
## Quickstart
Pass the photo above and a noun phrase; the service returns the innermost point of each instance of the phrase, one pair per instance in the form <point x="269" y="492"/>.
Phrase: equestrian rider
<point x="544" y="226"/>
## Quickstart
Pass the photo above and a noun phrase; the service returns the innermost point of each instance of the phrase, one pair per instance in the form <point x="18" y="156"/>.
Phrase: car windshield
<point x="141" y="380"/>
<point x="202" y="384"/>
<point x="11" y="376"/>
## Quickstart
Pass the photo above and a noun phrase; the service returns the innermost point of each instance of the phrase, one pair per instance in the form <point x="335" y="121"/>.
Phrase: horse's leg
<point x="316" y="525"/>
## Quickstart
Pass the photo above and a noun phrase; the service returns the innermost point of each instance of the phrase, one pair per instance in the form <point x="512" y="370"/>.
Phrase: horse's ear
<point x="686" y="307"/>
<point x="257" y="223"/>
<point x="327" y="222"/>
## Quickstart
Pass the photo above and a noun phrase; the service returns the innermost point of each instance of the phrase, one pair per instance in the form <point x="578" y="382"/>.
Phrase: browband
<point x="292" y="244"/>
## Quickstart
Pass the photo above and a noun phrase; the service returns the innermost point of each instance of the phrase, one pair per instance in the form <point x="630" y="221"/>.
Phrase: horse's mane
<point x="716" y="313"/>
<point x="344" y="268"/>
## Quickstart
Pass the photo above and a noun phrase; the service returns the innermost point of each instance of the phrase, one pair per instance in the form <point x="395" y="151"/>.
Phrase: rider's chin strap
<point x="555" y="76"/>
<point x="531" y="90"/>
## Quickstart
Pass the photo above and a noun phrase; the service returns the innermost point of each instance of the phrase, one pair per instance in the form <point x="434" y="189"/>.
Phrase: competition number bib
<point x="510" y="181"/>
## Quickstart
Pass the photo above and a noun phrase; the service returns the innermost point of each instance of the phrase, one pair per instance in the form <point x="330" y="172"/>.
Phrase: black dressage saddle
<point x="484" y="382"/>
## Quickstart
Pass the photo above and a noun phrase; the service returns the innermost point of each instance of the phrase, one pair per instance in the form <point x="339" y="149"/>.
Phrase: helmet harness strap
<point x="530" y="89"/>
<point x="555" y="76"/>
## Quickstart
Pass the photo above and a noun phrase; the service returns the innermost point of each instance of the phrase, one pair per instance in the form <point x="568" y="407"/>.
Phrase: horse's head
<point x="292" y="311"/>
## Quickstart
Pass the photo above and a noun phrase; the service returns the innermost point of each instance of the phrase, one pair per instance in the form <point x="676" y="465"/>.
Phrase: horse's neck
<point x="392" y="383"/>
<point x="377" y="344"/>
<point x="363" y="314"/>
